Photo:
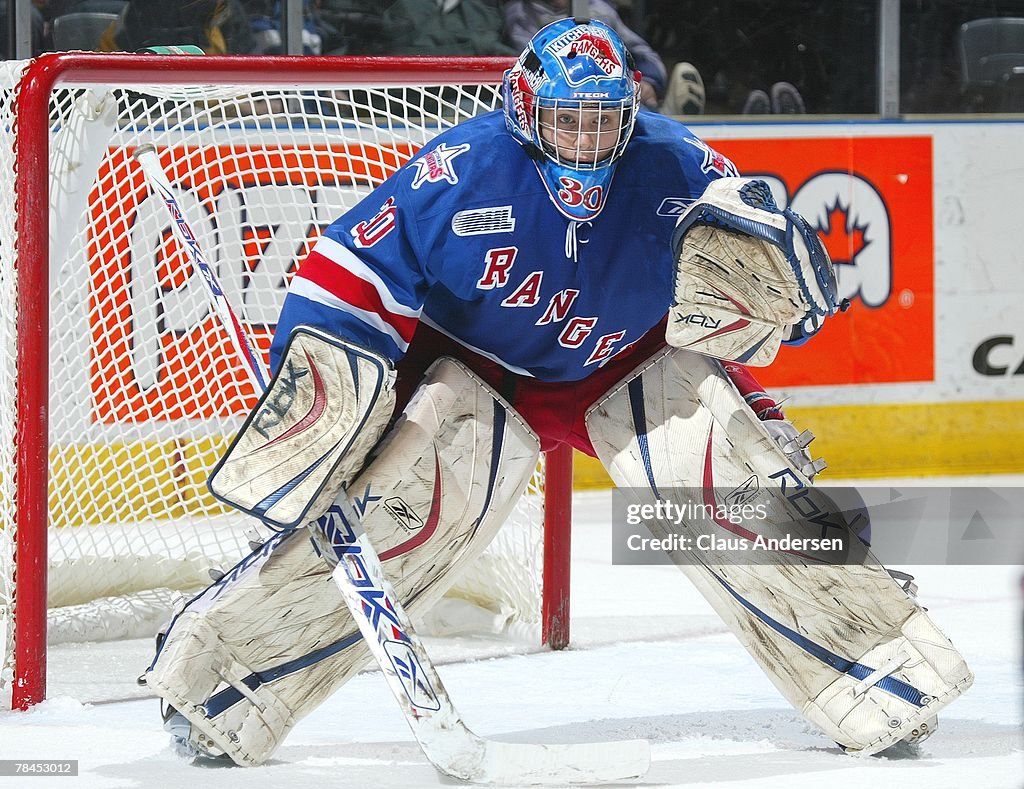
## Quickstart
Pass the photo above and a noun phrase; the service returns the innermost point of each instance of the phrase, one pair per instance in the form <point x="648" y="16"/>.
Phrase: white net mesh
<point x="144" y="392"/>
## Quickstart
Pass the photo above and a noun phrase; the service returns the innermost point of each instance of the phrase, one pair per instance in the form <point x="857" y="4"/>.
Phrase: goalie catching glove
<point x="749" y="275"/>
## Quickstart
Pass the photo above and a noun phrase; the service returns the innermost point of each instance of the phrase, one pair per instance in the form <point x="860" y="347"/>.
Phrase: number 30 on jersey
<point x="573" y="194"/>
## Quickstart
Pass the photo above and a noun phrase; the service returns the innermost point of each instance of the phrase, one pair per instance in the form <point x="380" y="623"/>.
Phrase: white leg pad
<point x="271" y="640"/>
<point x="843" y="643"/>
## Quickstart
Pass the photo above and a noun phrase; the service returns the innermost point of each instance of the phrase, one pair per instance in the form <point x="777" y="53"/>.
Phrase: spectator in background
<point x="444" y="27"/>
<point x="682" y="94"/>
<point x="218" y="27"/>
<point x="351" y="27"/>
<point x="54" y="8"/>
<point x="782" y="98"/>
<point x="37" y="41"/>
<point x="265" y="20"/>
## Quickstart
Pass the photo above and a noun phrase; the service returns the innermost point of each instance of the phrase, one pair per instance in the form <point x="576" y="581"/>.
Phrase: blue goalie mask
<point x="571" y="100"/>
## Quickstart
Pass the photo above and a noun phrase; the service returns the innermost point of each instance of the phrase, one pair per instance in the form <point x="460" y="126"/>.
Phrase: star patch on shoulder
<point x="437" y="165"/>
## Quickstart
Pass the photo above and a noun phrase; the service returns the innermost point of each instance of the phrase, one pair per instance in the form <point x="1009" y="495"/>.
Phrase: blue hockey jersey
<point x="466" y="238"/>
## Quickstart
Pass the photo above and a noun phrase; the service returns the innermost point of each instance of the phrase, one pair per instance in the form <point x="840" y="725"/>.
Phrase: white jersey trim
<point x="344" y="257"/>
<point x="510" y="367"/>
<point x="310" y="290"/>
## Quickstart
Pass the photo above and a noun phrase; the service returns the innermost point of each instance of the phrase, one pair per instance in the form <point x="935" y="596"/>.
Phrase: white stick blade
<point x="557" y="765"/>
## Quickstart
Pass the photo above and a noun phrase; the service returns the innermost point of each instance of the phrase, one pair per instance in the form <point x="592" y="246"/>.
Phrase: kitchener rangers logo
<point x="437" y="165"/>
<point x="586" y="55"/>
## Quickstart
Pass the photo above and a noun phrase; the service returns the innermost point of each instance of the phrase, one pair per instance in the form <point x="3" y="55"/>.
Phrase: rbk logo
<point x="364" y="501"/>
<point x="807" y="508"/>
<point x="744" y="492"/>
<point x="674" y="206"/>
<point x="413" y="678"/>
<point x="699" y="319"/>
<point x="281" y="397"/>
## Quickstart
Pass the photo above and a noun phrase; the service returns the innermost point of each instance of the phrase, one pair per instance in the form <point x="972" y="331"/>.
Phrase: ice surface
<point x="648" y="659"/>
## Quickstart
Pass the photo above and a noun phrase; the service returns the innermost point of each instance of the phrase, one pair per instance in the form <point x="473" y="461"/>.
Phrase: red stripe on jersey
<point x="322" y="271"/>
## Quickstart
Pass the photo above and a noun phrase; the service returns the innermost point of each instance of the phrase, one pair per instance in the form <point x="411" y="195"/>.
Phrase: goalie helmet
<point x="571" y="100"/>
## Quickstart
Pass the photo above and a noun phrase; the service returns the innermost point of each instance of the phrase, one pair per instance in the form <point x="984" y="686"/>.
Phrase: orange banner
<point x="870" y="198"/>
<point x="163" y="386"/>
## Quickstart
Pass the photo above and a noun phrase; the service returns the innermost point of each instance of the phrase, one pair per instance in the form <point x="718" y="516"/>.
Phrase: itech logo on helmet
<point x="586" y="53"/>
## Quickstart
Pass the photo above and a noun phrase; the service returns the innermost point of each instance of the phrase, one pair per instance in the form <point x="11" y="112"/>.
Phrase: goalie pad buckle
<point x="747" y="273"/>
<point x="310" y="432"/>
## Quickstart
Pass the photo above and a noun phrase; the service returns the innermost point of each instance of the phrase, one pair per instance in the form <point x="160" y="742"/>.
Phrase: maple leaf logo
<point x="842" y="245"/>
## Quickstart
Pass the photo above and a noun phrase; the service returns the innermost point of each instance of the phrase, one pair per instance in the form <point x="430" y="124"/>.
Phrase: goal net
<point x="118" y="386"/>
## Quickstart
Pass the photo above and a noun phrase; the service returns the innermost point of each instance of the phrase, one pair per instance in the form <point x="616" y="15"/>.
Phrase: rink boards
<point x="925" y="374"/>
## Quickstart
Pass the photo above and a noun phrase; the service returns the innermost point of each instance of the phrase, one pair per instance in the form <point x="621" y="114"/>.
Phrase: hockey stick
<point x="446" y="741"/>
<point x="148" y="160"/>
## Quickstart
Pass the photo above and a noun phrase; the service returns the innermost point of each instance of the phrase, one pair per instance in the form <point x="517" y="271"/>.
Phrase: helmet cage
<point x="584" y="135"/>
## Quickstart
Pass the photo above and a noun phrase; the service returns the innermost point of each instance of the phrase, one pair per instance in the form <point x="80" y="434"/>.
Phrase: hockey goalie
<point x="566" y="270"/>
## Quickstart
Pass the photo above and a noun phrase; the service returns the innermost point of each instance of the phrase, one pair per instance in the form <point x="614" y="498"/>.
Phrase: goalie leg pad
<point x="266" y="644"/>
<point x="325" y="408"/>
<point x="845" y="644"/>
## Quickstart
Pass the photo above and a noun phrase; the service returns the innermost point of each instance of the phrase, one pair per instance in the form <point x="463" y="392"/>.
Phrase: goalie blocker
<point x="310" y="432"/>
<point x="749" y="275"/>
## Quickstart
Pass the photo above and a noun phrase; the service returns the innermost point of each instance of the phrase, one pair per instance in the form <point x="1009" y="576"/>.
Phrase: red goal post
<point x="67" y="428"/>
